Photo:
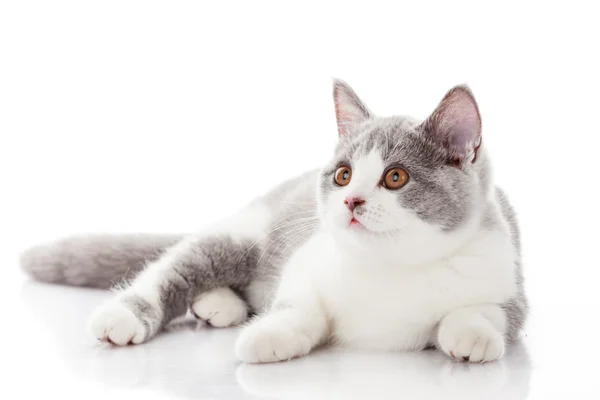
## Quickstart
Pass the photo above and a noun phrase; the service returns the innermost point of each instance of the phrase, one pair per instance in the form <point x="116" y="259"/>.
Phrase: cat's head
<point x="396" y="179"/>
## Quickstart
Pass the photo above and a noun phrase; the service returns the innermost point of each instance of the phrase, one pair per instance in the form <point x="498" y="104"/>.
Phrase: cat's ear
<point x="349" y="109"/>
<point x="456" y="124"/>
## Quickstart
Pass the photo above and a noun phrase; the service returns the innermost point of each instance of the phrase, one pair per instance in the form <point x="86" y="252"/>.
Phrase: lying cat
<point x="400" y="242"/>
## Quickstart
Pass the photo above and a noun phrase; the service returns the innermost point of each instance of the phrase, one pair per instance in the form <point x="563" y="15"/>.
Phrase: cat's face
<point x="396" y="177"/>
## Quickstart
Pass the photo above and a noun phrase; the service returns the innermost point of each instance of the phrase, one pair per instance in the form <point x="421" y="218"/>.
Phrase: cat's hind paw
<point x="220" y="308"/>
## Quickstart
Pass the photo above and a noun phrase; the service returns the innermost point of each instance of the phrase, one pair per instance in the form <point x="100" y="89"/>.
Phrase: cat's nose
<point x="351" y="202"/>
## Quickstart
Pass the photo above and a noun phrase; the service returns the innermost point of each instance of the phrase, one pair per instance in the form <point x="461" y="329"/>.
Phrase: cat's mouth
<point x="354" y="223"/>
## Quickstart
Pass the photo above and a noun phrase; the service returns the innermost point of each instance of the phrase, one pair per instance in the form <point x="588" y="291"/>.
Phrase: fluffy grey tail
<point x="99" y="261"/>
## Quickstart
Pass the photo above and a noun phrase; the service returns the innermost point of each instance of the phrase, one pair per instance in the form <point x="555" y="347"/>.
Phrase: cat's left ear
<point x="349" y="109"/>
<point x="456" y="124"/>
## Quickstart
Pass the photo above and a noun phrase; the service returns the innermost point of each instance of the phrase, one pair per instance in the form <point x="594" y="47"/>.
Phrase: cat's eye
<point x="343" y="175"/>
<point x="394" y="178"/>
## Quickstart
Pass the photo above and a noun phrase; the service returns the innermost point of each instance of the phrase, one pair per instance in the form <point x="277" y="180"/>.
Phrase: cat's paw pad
<point x="220" y="308"/>
<point x="475" y="342"/>
<point x="267" y="341"/>
<point x="117" y="324"/>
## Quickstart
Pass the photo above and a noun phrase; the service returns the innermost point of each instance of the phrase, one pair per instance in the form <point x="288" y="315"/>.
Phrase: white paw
<point x="220" y="307"/>
<point x="474" y="340"/>
<point x="117" y="324"/>
<point x="269" y="340"/>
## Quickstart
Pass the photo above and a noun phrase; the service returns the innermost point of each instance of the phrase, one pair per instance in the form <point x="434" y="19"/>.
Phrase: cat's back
<point x="517" y="307"/>
<point x="510" y="217"/>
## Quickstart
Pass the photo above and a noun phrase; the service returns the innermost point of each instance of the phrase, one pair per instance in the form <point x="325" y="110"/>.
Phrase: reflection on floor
<point x="198" y="362"/>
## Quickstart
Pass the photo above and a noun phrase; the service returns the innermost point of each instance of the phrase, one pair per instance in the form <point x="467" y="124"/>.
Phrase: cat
<point x="400" y="242"/>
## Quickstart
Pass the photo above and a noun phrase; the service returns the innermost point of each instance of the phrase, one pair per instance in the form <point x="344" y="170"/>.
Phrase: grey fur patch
<point x="517" y="308"/>
<point x="510" y="216"/>
<point x="145" y="313"/>
<point x="208" y="263"/>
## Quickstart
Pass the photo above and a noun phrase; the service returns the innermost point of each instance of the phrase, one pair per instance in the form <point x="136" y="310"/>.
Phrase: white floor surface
<point x="53" y="354"/>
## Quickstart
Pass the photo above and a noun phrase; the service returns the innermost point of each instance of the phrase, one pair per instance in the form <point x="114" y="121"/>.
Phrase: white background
<point x="147" y="116"/>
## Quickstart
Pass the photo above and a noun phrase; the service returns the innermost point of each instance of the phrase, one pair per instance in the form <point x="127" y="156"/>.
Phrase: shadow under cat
<point x="199" y="362"/>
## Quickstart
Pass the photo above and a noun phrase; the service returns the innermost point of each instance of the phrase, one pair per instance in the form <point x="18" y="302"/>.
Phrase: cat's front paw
<point x="116" y="323"/>
<point x="269" y="340"/>
<point x="471" y="340"/>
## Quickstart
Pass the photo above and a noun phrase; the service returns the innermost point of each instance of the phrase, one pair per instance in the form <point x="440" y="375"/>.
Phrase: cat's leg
<point x="199" y="271"/>
<point x="474" y="333"/>
<point x="295" y="324"/>
<point x="287" y="331"/>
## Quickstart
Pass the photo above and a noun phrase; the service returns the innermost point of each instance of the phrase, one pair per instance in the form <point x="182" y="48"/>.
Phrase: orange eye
<point x="395" y="178"/>
<point x="343" y="175"/>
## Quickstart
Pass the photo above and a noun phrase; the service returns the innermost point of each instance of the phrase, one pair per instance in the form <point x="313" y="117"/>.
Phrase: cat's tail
<point x="99" y="261"/>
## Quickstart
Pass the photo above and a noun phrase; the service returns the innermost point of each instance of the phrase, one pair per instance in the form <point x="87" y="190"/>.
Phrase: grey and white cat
<point x="400" y="242"/>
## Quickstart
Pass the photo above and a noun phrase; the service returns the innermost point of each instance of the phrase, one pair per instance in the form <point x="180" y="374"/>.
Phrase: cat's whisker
<point x="281" y="237"/>
<point x="297" y="226"/>
<point x="310" y="218"/>
<point x="273" y="230"/>
<point x="296" y="238"/>
<point x="274" y="240"/>
<point x="308" y="228"/>
<point x="274" y="225"/>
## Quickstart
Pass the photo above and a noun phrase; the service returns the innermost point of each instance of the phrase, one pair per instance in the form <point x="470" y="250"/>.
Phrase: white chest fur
<point x="392" y="307"/>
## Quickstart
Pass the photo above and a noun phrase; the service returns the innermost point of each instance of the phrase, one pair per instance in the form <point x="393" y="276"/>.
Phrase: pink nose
<point x="352" y="202"/>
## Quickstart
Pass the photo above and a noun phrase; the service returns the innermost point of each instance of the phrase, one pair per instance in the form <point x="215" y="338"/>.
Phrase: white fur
<point x="296" y="325"/>
<point x="220" y="307"/>
<point x="116" y="323"/>
<point x="473" y="333"/>
<point x="259" y="294"/>
<point x="249" y="223"/>
<point x="388" y="295"/>
<point x="275" y="337"/>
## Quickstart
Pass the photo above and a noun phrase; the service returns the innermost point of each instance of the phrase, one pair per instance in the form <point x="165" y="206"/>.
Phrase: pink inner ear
<point x="345" y="120"/>
<point x="349" y="110"/>
<point x="456" y="122"/>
